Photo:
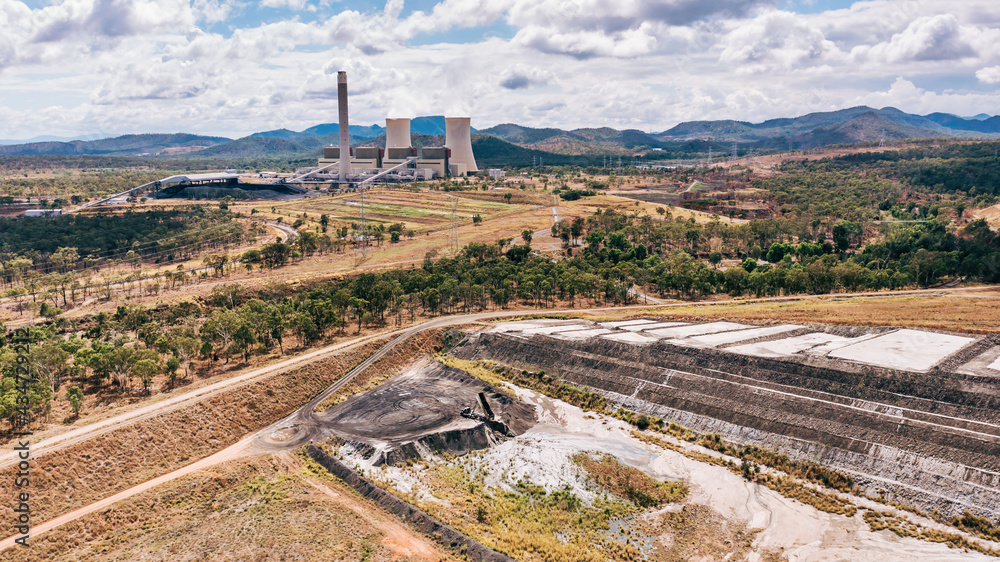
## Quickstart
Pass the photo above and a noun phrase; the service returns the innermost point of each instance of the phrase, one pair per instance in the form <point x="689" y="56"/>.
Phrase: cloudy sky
<point x="232" y="67"/>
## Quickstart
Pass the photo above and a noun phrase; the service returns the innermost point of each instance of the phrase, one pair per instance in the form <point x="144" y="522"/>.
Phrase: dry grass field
<point x="421" y="211"/>
<point x="621" y="202"/>
<point x="979" y="314"/>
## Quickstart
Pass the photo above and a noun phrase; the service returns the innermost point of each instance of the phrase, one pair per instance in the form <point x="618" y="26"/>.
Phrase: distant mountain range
<point x="846" y="126"/>
<point x="48" y="138"/>
<point x="123" y="145"/>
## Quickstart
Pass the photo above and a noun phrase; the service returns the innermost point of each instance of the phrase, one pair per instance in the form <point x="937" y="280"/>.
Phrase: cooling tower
<point x="345" y="138"/>
<point x="458" y="138"/>
<point x="397" y="133"/>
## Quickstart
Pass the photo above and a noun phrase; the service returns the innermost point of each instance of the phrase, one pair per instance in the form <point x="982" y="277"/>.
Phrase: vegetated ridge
<point x="846" y="126"/>
<point x="126" y="144"/>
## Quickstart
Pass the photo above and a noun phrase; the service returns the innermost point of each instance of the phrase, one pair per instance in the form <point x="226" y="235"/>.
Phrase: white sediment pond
<point x="623" y="323"/>
<point x="654" y="326"/>
<point x="787" y="346"/>
<point x="556" y="329"/>
<point x="910" y="350"/>
<point x="826" y="348"/>
<point x="630" y="337"/>
<point x="722" y="338"/>
<point x="582" y="334"/>
<point x="696" y="329"/>
<point x="995" y="365"/>
<point x="520" y="325"/>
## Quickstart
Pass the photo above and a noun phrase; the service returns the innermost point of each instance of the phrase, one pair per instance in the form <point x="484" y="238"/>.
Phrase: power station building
<point x="363" y="158"/>
<point x="453" y="159"/>
<point x="399" y="159"/>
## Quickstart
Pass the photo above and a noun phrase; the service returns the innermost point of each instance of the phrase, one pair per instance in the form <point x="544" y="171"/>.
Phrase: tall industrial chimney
<point x="345" y="137"/>
<point x="457" y="135"/>
<point x="397" y="133"/>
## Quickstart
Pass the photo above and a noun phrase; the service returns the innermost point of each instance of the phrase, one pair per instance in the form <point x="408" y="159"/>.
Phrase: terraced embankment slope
<point x="910" y="414"/>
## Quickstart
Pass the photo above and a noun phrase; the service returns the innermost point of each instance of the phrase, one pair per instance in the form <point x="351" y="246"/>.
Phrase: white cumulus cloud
<point x="989" y="75"/>
<point x="928" y="38"/>
<point x="776" y="40"/>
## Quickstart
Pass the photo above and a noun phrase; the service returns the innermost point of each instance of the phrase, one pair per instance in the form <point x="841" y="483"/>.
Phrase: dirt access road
<point x="304" y="421"/>
<point x="57" y="442"/>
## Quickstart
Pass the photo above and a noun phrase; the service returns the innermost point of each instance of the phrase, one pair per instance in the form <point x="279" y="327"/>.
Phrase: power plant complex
<point x="399" y="160"/>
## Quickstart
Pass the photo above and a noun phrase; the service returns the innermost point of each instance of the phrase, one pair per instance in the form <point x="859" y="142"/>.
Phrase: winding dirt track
<point x="304" y="419"/>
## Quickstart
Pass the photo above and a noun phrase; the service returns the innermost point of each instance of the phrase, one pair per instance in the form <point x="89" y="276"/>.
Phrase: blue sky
<point x="232" y="67"/>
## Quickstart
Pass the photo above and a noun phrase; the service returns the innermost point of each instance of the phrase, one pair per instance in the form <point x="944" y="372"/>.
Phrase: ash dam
<point x="911" y="415"/>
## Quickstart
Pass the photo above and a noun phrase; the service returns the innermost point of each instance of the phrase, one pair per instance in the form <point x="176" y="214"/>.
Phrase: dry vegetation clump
<point x="254" y="509"/>
<point x="902" y="526"/>
<point x="478" y="369"/>
<point x="794" y="489"/>
<point x="979" y="526"/>
<point x="94" y="469"/>
<point x="525" y="522"/>
<point x="697" y="532"/>
<point x="806" y="470"/>
<point x="628" y="482"/>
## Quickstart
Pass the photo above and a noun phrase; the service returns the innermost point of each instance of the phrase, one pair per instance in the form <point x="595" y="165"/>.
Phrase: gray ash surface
<point x="419" y="409"/>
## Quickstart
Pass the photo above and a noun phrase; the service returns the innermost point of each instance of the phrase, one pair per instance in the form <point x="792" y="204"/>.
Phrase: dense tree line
<point x="147" y="234"/>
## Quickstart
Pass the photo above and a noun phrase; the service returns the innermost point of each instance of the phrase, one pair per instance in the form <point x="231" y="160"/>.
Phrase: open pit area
<point x="417" y="413"/>
<point x="910" y="415"/>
